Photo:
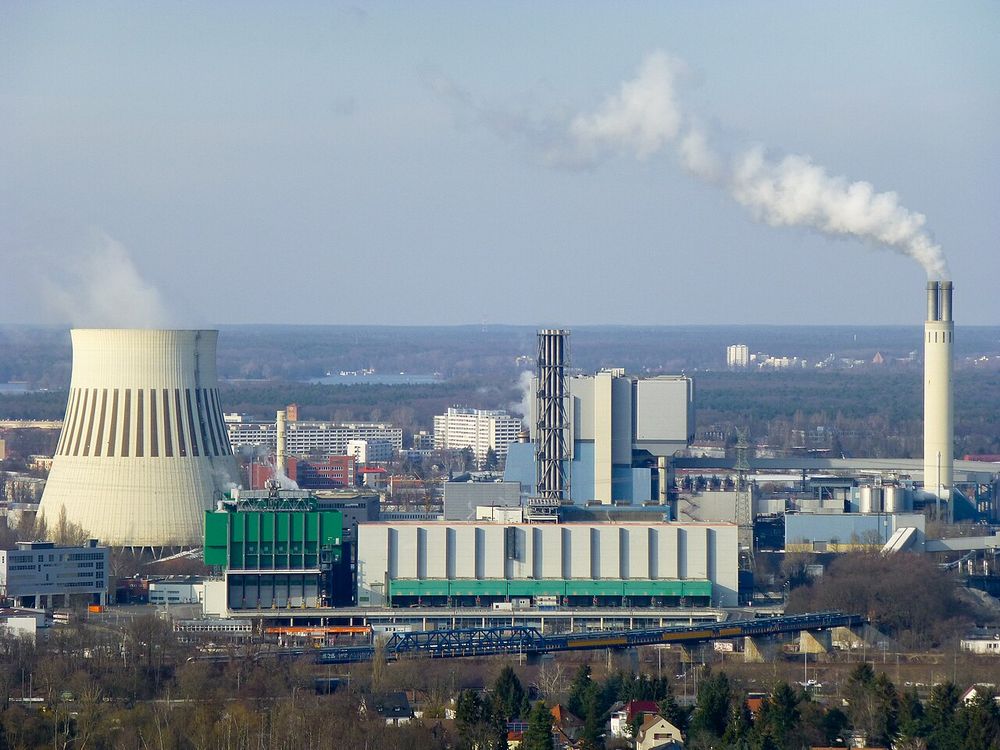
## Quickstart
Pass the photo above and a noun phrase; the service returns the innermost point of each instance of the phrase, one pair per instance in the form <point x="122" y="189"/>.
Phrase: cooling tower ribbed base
<point x="143" y="451"/>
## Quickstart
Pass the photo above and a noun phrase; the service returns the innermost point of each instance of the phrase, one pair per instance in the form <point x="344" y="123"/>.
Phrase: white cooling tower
<point x="939" y="415"/>
<point x="144" y="450"/>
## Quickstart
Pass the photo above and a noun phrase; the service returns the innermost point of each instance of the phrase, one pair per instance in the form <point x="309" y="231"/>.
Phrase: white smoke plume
<point x="644" y="117"/>
<point x="523" y="407"/>
<point x="105" y="289"/>
<point x="641" y="118"/>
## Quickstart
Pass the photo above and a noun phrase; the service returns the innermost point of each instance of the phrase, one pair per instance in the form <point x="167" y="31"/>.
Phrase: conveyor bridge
<point x="517" y="639"/>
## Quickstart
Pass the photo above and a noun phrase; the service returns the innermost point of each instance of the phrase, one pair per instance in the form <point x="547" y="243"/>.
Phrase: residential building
<point x="325" y="473"/>
<point x="737" y="356"/>
<point x="656" y="733"/>
<point x="371" y="451"/>
<point x="477" y="429"/>
<point x="309" y="438"/>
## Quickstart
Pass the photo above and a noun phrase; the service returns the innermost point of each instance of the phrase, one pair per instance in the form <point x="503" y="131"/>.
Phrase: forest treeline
<point x="863" y="413"/>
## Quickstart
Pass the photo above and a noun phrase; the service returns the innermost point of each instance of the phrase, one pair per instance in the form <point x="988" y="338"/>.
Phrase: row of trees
<point x="874" y="710"/>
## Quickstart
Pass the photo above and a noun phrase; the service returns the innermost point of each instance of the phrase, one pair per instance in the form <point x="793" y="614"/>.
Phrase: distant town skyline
<point x="448" y="163"/>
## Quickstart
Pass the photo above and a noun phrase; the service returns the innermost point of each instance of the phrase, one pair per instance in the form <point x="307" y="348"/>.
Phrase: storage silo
<point x="894" y="499"/>
<point x="144" y="449"/>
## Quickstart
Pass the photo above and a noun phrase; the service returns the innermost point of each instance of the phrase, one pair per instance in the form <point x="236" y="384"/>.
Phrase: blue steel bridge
<point x="516" y="639"/>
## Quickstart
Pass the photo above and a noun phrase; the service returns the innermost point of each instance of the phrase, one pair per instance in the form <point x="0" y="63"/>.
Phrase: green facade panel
<point x="216" y="538"/>
<point x="484" y="587"/>
<point x="697" y="588"/>
<point x="595" y="588"/>
<point x="415" y="587"/>
<point x="271" y="539"/>
<point x="555" y="587"/>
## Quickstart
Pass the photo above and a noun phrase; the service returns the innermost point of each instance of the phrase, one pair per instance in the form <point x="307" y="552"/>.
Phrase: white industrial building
<point x="306" y="438"/>
<point x="143" y="450"/>
<point x="477" y="429"/>
<point x="497" y="560"/>
<point x="36" y="573"/>
<point x="618" y="426"/>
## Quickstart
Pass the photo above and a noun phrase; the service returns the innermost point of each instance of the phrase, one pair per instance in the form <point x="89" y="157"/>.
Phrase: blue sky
<point x="390" y="163"/>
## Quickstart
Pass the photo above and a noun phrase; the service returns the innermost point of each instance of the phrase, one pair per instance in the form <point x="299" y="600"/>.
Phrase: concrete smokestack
<point x="939" y="414"/>
<point x="279" y="449"/>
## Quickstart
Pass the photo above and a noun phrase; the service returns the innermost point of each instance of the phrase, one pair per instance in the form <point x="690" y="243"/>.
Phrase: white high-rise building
<point x="143" y="451"/>
<point x="477" y="429"/>
<point x="306" y="438"/>
<point x="737" y="356"/>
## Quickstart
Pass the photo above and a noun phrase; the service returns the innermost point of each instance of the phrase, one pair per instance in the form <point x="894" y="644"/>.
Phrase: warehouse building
<point x="476" y="564"/>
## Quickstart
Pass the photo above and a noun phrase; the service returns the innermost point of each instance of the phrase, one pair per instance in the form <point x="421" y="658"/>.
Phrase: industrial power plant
<point x="143" y="451"/>
<point x="587" y="519"/>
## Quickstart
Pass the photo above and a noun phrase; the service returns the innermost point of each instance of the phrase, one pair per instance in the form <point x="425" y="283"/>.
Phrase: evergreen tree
<point x="539" y="733"/>
<point x="591" y="738"/>
<point x="509" y="699"/>
<point x="913" y="722"/>
<point x="674" y="712"/>
<point x="737" y="734"/>
<point x="779" y="716"/>
<point x="579" y="691"/>
<point x="479" y="728"/>
<point x="711" y="712"/>
<point x="942" y="717"/>
<point x="979" y="722"/>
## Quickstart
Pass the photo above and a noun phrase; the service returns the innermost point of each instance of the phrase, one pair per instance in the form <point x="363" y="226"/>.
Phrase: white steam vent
<point x="144" y="450"/>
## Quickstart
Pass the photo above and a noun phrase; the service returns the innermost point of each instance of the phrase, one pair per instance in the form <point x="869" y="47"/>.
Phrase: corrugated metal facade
<point x="411" y="555"/>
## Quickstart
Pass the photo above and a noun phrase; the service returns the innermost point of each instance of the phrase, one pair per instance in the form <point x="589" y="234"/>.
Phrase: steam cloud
<point x="644" y="118"/>
<point x="105" y="290"/>
<point x="523" y="407"/>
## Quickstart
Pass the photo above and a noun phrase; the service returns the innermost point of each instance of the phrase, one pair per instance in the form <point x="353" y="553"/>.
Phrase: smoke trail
<point x="641" y="118"/>
<point x="523" y="407"/>
<point x="105" y="290"/>
<point x="644" y="117"/>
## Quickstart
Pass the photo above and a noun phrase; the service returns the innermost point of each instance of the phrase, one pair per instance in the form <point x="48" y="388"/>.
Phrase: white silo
<point x="939" y="419"/>
<point x="144" y="449"/>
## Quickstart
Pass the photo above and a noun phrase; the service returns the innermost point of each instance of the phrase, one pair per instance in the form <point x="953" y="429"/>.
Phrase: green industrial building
<point x="279" y="552"/>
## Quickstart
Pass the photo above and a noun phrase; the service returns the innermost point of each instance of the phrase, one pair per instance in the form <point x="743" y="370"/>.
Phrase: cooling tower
<point x="143" y="450"/>
<point x="939" y="419"/>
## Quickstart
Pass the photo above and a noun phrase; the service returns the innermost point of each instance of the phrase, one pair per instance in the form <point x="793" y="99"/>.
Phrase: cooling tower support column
<point x="552" y="424"/>
<point x="939" y="416"/>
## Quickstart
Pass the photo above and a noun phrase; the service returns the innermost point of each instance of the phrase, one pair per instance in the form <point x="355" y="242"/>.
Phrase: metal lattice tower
<point x="744" y="502"/>
<point x="551" y="421"/>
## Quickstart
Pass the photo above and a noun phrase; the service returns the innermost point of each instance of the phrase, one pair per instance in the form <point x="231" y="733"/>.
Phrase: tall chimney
<point x="939" y="415"/>
<point x="551" y="419"/>
<point x="279" y="449"/>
